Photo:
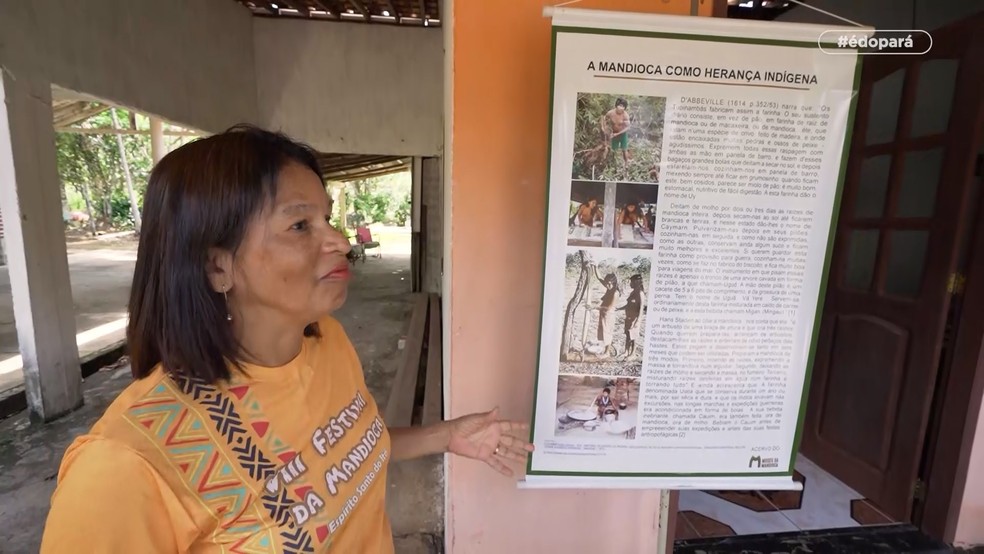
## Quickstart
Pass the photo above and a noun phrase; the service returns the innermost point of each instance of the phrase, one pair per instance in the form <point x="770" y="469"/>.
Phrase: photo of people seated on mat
<point x="635" y="216"/>
<point x="586" y="224"/>
<point x="618" y="137"/>
<point x="605" y="315"/>
<point x="597" y="407"/>
<point x="595" y="220"/>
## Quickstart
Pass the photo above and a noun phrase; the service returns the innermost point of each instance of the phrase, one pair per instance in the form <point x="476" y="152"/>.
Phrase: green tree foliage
<point x="384" y="199"/>
<point x="402" y="212"/>
<point x="368" y="203"/>
<point x="594" y="158"/>
<point x="93" y="160"/>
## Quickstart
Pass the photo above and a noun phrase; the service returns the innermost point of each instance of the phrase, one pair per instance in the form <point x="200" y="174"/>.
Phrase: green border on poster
<point x="825" y="272"/>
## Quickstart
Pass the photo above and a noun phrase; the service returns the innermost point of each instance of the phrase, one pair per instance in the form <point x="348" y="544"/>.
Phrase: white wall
<point x="352" y="88"/>
<point x="189" y="61"/>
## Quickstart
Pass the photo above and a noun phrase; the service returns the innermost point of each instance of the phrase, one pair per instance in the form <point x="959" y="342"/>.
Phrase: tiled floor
<point x="824" y="503"/>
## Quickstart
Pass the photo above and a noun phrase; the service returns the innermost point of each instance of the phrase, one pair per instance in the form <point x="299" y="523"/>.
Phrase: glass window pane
<point x="920" y="176"/>
<point x="873" y="186"/>
<point x="861" y="255"/>
<point x="934" y="97"/>
<point x="906" y="262"/>
<point x="883" y="111"/>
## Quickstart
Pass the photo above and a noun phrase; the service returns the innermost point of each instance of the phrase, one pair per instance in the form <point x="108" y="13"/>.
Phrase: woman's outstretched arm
<point x="481" y="436"/>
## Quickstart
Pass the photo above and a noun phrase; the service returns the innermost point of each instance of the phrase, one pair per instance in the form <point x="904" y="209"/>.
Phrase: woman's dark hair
<point x="202" y="195"/>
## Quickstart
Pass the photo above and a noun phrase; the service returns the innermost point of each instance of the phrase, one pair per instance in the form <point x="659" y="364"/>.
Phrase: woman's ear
<point x="218" y="267"/>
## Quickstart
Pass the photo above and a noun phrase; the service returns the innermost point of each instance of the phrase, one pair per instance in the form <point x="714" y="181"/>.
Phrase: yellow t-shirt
<point x="288" y="459"/>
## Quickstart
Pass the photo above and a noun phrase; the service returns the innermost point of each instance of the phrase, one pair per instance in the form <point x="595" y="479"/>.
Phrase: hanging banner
<point x="695" y="173"/>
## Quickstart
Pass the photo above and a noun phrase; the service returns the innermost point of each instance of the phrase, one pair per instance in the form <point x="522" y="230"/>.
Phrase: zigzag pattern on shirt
<point x="230" y="426"/>
<point x="298" y="541"/>
<point x="252" y="411"/>
<point x="253" y="544"/>
<point x="182" y="435"/>
<point x="222" y="411"/>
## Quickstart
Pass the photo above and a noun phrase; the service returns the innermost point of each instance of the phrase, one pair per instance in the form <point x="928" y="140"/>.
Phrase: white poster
<point x="695" y="174"/>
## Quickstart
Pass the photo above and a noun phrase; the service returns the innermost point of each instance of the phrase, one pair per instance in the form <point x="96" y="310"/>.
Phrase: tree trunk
<point x="88" y="207"/>
<point x="576" y="299"/>
<point x="134" y="209"/>
<point x="107" y="210"/>
<point x="64" y="205"/>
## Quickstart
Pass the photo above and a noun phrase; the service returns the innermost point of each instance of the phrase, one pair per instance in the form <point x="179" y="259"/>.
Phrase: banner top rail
<point x="690" y="25"/>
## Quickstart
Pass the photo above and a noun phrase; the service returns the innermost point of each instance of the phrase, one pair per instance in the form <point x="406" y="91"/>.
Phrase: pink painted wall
<point x="498" y="94"/>
<point x="970" y="525"/>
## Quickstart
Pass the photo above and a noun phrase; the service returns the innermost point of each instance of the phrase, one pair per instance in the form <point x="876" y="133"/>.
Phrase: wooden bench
<point x="417" y="396"/>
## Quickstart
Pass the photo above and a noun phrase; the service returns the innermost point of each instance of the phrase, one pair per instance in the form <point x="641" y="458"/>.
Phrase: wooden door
<point x="908" y="177"/>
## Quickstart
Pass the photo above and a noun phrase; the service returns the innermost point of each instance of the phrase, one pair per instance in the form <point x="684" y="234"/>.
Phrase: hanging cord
<point x="825" y="12"/>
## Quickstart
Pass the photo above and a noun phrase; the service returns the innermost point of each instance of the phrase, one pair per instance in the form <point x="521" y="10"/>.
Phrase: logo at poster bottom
<point x="763" y="463"/>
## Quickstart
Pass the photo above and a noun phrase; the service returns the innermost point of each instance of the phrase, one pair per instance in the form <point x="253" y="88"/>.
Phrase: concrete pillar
<point x="35" y="237"/>
<point x="432" y="198"/>
<point x="3" y="249"/>
<point x="416" y="193"/>
<point x="417" y="226"/>
<point x="158" y="148"/>
<point x="342" y="206"/>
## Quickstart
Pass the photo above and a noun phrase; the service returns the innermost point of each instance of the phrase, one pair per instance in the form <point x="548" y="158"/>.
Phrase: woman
<point x="586" y="214"/>
<point x="628" y="217"/>
<point x="249" y="427"/>
<point x="633" y="309"/>
<point x="607" y="311"/>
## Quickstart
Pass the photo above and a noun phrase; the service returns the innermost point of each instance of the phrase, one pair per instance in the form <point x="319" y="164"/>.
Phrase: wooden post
<point x="608" y="233"/>
<point x="35" y="241"/>
<point x="587" y="316"/>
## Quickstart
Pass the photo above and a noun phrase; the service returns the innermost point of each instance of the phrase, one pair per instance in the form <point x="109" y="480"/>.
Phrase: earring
<point x="225" y="294"/>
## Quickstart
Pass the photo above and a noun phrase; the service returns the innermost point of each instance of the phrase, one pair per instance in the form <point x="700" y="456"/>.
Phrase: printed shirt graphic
<point x="288" y="459"/>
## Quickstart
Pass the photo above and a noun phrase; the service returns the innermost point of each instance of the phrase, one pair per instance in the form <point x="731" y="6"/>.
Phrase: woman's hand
<point x="484" y="437"/>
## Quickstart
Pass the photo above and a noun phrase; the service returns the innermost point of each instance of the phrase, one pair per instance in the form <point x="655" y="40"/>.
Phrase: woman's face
<point x="631" y="208"/>
<point x="291" y="262"/>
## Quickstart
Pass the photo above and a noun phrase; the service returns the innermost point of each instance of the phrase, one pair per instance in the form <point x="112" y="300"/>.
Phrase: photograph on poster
<point x="586" y="223"/>
<point x="597" y="407"/>
<point x="605" y="314"/>
<point x="618" y="137"/>
<point x="635" y="215"/>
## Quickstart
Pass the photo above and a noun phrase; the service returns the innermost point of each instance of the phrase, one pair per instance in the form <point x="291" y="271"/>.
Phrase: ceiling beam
<point x="111" y="131"/>
<point x="356" y="163"/>
<point x="323" y="6"/>
<point x="363" y="164"/>
<point x="362" y="9"/>
<point x="393" y="11"/>
<point x="76" y="114"/>
<point x="366" y="174"/>
<point x="269" y="7"/>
